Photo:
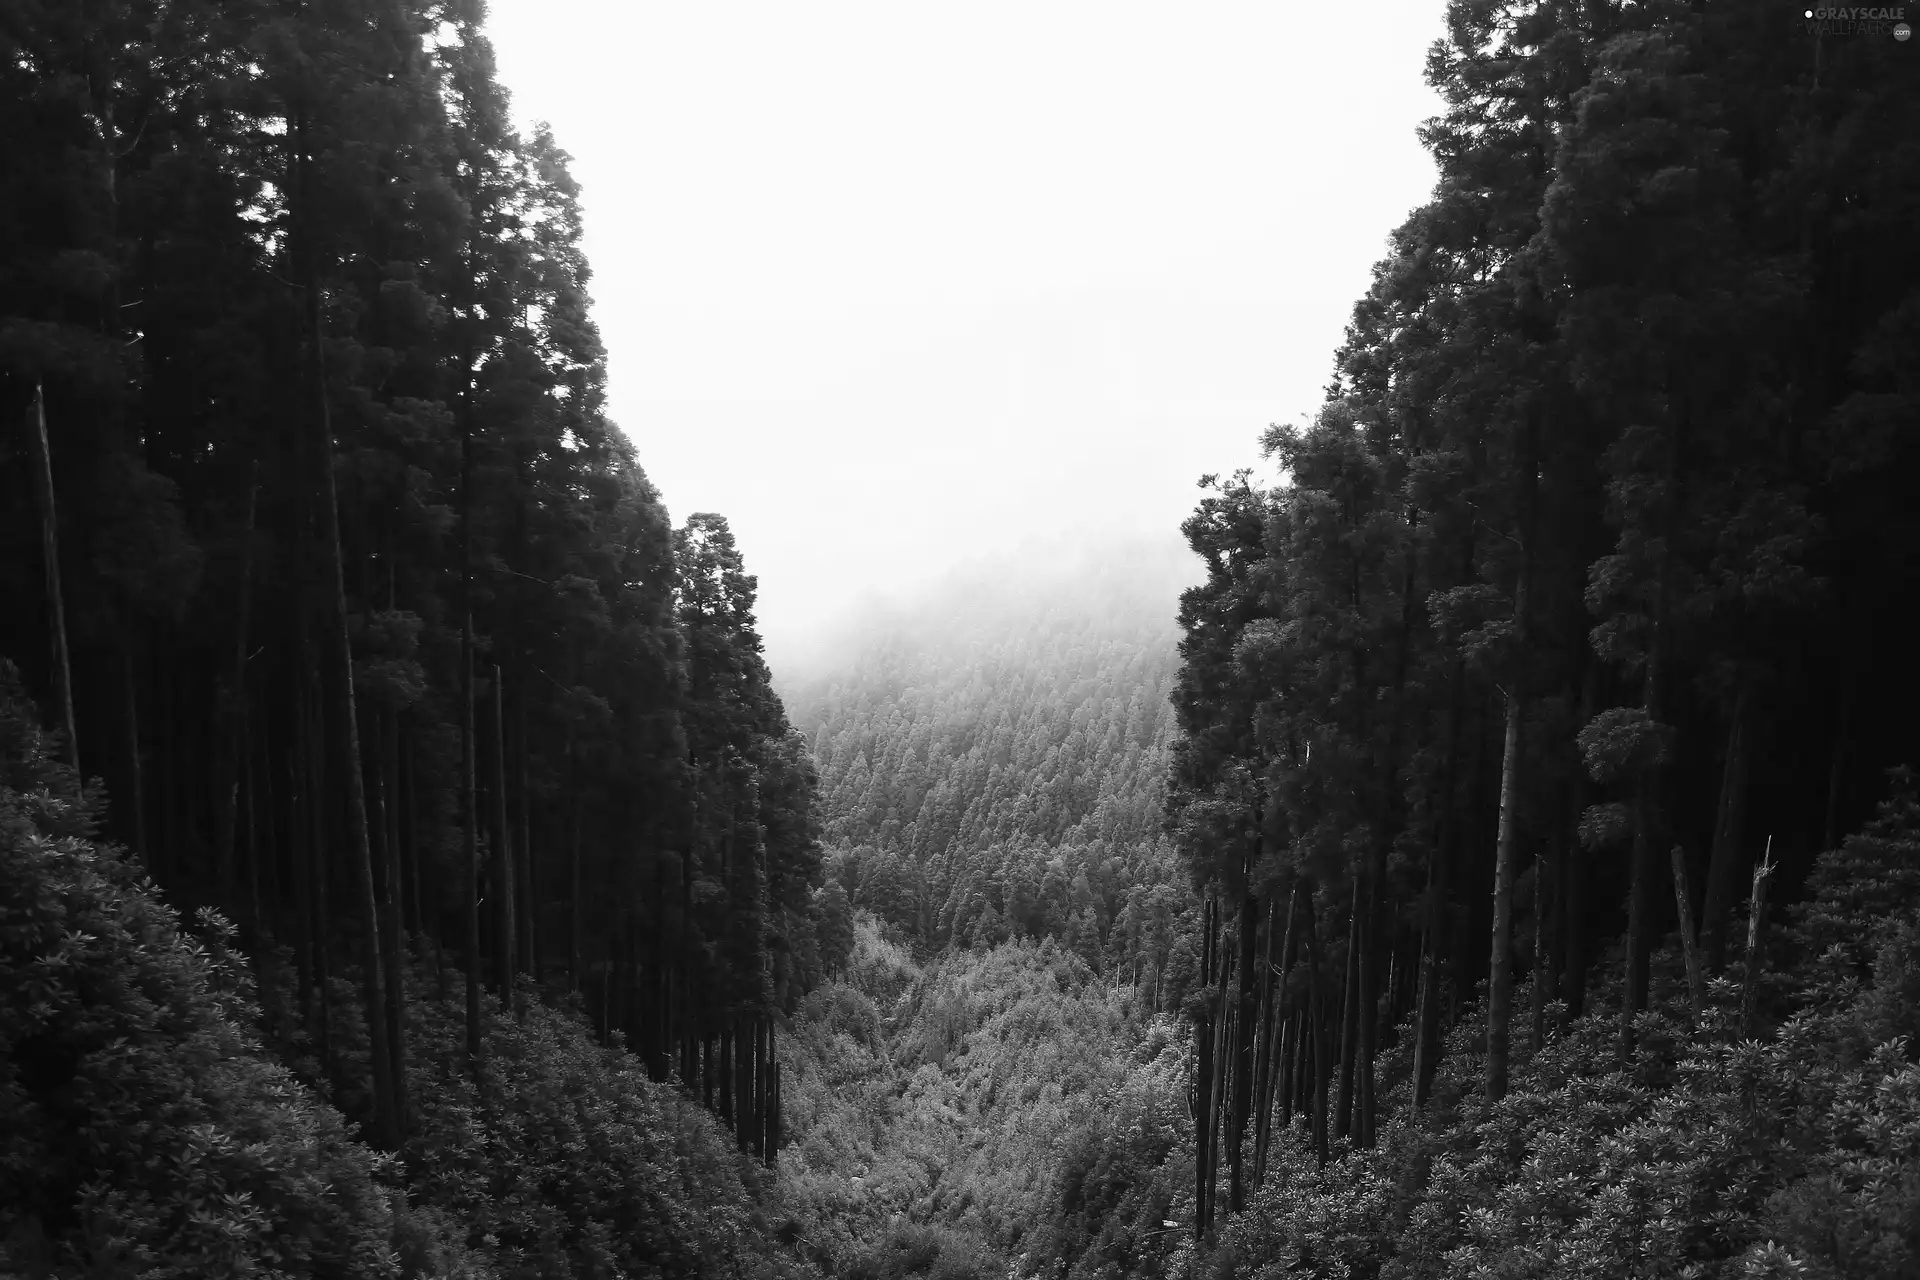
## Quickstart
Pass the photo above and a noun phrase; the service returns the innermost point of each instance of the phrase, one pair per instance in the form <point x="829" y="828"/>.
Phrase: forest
<point x="1488" y="847"/>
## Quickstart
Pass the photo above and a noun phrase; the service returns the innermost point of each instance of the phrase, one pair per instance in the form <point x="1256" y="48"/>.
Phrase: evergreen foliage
<point x="377" y="630"/>
<point x="150" y="1130"/>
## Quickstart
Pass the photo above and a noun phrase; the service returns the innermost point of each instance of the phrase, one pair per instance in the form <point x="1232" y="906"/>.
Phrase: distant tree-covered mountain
<point x="992" y="755"/>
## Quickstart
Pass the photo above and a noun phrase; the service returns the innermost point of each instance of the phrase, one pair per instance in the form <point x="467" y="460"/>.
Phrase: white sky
<point x="894" y="284"/>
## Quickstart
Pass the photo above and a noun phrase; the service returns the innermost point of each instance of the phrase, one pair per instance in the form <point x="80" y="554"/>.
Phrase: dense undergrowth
<point x="1791" y="1153"/>
<point x="933" y="1101"/>
<point x="154" y="1122"/>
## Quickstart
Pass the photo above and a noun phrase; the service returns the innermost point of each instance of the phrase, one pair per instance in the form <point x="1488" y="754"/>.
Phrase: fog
<point x="900" y="287"/>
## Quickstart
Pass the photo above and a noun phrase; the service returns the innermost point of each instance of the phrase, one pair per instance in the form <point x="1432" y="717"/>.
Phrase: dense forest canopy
<point x="1486" y="849"/>
<point x="992" y="755"/>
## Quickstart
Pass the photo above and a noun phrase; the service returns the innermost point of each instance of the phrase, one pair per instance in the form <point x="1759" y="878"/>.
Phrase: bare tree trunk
<point x="470" y="803"/>
<point x="1203" y="1074"/>
<point x="502" y="860"/>
<point x="1243" y="1029"/>
<point x="138" y="789"/>
<point x="236" y="709"/>
<point x="524" y="893"/>
<point x="1267" y="1042"/>
<point x="1573" y="877"/>
<point x="1369" y="1006"/>
<point x="340" y="682"/>
<point x="50" y="551"/>
<point x="1756" y="935"/>
<point x="1349" y="1017"/>
<point x="1500" y="952"/>
<point x="1696" y="979"/>
<point x="1500" y="960"/>
<point x="1426" y="1041"/>
<point x="1726" y="834"/>
<point x="1546" y="882"/>
<point x="393" y="950"/>
<point x="1317" y="1023"/>
<point x="1832" y="828"/>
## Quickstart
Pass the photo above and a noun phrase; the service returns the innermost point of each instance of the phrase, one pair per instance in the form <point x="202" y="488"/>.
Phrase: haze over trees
<point x="1499" y="859"/>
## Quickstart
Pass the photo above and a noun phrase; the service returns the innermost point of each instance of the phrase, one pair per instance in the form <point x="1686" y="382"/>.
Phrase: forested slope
<point x="992" y="754"/>
<point x="1561" y="657"/>
<point x="373" y="639"/>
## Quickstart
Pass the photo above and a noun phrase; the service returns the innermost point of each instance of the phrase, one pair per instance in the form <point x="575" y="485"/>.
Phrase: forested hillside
<point x="383" y="664"/>
<point x="1488" y="849"/>
<point x="992" y="754"/>
<point x="1560" y="659"/>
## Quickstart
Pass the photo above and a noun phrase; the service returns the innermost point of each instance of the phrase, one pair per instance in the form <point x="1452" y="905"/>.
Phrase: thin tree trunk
<point x="1728" y="821"/>
<point x="1756" y="936"/>
<point x="340" y="681"/>
<point x="1203" y="1075"/>
<point x="319" y="869"/>
<point x="1834" y="775"/>
<point x="1264" y="1041"/>
<point x="236" y="710"/>
<point x="1649" y="823"/>
<point x="1546" y="880"/>
<point x="393" y="947"/>
<point x="138" y="788"/>
<point x="1426" y="1041"/>
<point x="1349" y="1016"/>
<point x="1689" y="946"/>
<point x="470" y="803"/>
<point x="1317" y="1021"/>
<point x="502" y="860"/>
<point x="1243" y="1033"/>
<point x="1574" y="876"/>
<point x="50" y="552"/>
<point x="1500" y="956"/>
<point x="524" y="894"/>
<point x="1369" y="1015"/>
<point x="1500" y="951"/>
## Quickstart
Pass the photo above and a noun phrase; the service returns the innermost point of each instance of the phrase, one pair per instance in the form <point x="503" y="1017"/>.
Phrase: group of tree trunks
<point x="337" y="574"/>
<point x="1560" y="613"/>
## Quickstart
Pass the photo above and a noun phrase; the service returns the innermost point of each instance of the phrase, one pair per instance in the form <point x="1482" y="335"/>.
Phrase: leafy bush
<point x="143" y="1130"/>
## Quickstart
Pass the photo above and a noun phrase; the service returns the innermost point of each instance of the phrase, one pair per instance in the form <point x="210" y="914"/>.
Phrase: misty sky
<point x="893" y="284"/>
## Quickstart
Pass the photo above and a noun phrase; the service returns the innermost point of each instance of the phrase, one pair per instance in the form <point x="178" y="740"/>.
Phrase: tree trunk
<point x="136" y="774"/>
<point x="1546" y="880"/>
<point x="1574" y="875"/>
<point x="1756" y="937"/>
<point x="1272" y="1005"/>
<point x="502" y="860"/>
<point x="1349" y="1017"/>
<point x="1649" y="818"/>
<point x="340" y="682"/>
<point x="524" y="892"/>
<point x="1426" y="1041"/>
<point x="1203" y="1076"/>
<point x="470" y="803"/>
<point x="1728" y="821"/>
<point x="1322" y="1055"/>
<point x="1834" y="775"/>
<point x="393" y="946"/>
<point x="1500" y="956"/>
<point x="1696" y="978"/>
<point x="319" y="887"/>
<point x="234" y="743"/>
<point x="50" y="552"/>
<point x="1243" y="1029"/>
<point x="1369" y="1014"/>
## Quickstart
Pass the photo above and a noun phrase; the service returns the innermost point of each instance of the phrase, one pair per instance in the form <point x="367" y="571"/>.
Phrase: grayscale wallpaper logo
<point x="1859" y="20"/>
